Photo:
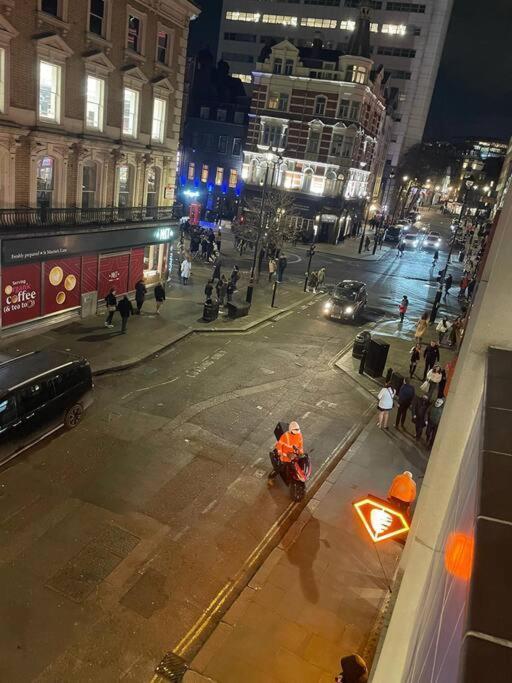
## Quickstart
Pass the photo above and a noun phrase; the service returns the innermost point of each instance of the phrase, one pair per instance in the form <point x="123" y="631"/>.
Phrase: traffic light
<point x="312" y="250"/>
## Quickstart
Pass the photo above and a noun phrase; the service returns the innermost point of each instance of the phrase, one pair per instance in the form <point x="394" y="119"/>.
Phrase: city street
<point x="122" y="531"/>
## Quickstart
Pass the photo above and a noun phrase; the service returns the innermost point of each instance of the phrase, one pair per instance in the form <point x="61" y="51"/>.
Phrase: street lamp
<point x="269" y="156"/>
<point x="311" y="253"/>
<point x="405" y="179"/>
<point x="437" y="300"/>
<point x="367" y="206"/>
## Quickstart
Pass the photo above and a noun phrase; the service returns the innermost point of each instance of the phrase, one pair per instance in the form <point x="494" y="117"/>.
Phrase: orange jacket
<point x="285" y="445"/>
<point x="403" y="488"/>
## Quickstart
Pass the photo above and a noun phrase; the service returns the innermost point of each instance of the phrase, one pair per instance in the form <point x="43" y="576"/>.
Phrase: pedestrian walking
<point x="208" y="289"/>
<point x="186" y="268"/>
<point x="434" y="378"/>
<point x="230" y="290"/>
<point x="217" y="264"/>
<point x="400" y="249"/>
<point x="415" y="355"/>
<point x="282" y="262"/>
<point x="431" y="356"/>
<point x="402" y="307"/>
<point x="385" y="405"/>
<point x="159" y="293"/>
<point x="434" y="418"/>
<point x="442" y="328"/>
<point x="367" y="243"/>
<point x="321" y="277"/>
<point x="312" y="282"/>
<point x="447" y="285"/>
<point x="140" y="294"/>
<point x="272" y="267"/>
<point x="125" y="309"/>
<point x="419" y="414"/>
<point x="111" y="302"/>
<point x="464" y="282"/>
<point x="421" y="328"/>
<point x="218" y="240"/>
<point x="222" y="289"/>
<point x="235" y="276"/>
<point x="406" y="396"/>
<point x="435" y="258"/>
<point x="402" y="492"/>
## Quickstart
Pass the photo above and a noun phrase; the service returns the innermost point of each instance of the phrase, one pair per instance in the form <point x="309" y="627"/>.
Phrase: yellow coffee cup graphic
<point x="70" y="282"/>
<point x="56" y="275"/>
<point x="8" y="290"/>
<point x="60" y="298"/>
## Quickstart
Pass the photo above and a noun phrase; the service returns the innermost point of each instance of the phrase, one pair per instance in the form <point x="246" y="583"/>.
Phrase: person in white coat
<point x="186" y="267"/>
<point x="386" y="395"/>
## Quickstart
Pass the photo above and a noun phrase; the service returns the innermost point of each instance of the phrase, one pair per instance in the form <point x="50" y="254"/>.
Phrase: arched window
<point x="125" y="178"/>
<point x="89" y="185"/>
<point x="320" y="105"/>
<point x="330" y="183"/>
<point x="307" y="179"/>
<point x="152" y="187"/>
<point x="45" y="182"/>
<point x="254" y="171"/>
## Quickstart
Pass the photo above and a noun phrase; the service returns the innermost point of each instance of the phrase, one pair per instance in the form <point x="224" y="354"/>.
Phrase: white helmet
<point x="294" y="428"/>
<point x="408" y="474"/>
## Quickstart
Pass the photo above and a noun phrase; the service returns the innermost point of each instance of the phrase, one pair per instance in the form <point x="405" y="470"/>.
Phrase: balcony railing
<point x="44" y="217"/>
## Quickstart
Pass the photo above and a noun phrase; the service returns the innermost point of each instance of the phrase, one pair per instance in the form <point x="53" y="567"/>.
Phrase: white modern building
<point x="407" y="39"/>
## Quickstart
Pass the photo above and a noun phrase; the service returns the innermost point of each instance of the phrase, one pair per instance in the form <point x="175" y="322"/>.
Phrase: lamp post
<point x="437" y="300"/>
<point x="367" y="206"/>
<point x="311" y="253"/>
<point x="405" y="178"/>
<point x="250" y="288"/>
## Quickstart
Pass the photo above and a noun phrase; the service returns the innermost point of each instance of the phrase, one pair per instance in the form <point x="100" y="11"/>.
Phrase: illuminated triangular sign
<point x="381" y="520"/>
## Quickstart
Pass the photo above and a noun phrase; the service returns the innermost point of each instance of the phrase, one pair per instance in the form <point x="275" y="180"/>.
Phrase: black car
<point x="40" y="392"/>
<point x="346" y="301"/>
<point x="393" y="234"/>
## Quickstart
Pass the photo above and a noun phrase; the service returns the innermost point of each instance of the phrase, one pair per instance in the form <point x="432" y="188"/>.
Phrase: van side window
<point x="34" y="395"/>
<point x="7" y="411"/>
<point x="66" y="380"/>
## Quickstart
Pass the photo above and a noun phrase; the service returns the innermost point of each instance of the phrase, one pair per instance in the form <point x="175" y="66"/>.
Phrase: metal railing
<point x="72" y="216"/>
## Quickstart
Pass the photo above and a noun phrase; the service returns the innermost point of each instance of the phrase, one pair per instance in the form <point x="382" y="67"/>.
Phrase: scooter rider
<point x="289" y="445"/>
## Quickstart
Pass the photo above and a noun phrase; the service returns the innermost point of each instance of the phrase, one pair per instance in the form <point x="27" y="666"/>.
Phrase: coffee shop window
<point x="155" y="256"/>
<point x="45" y="182"/>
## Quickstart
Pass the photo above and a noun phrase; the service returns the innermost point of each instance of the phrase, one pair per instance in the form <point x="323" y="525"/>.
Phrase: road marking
<point x="209" y="507"/>
<point x="266" y="371"/>
<point x="180" y="534"/>
<point x="256" y="462"/>
<point x="305" y="415"/>
<point x="326" y="404"/>
<point x="153" y="386"/>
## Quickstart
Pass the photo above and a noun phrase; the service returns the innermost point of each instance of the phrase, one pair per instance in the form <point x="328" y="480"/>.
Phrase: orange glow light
<point x="458" y="555"/>
<point x="380" y="519"/>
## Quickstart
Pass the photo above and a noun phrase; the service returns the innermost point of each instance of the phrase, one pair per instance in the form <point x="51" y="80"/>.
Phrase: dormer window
<point x="288" y="67"/>
<point x="278" y="66"/>
<point x="357" y="74"/>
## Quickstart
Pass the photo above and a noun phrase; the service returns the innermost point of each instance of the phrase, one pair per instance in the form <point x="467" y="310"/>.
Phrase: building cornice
<point x="178" y="11"/>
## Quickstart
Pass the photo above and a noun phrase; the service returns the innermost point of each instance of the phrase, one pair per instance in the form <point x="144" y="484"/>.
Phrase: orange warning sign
<point x="381" y="520"/>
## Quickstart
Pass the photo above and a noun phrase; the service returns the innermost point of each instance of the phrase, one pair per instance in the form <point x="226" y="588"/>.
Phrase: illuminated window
<point x="219" y="175"/>
<point x="394" y="29"/>
<point x="278" y="101"/>
<point x="130" y="112"/>
<point x="374" y="28"/>
<point x="162" y="47"/>
<point x="348" y="25"/>
<point x="279" y="19"/>
<point x="45" y="181"/>
<point x="158" y="125"/>
<point x="135" y="32"/>
<point x="358" y="74"/>
<point x="245" y="78"/>
<point x="191" y="171"/>
<point x="125" y="185"/>
<point x="50" y="76"/>
<point x="320" y="23"/>
<point x="243" y="16"/>
<point x="233" y="177"/>
<point x="204" y="173"/>
<point x="94" y="105"/>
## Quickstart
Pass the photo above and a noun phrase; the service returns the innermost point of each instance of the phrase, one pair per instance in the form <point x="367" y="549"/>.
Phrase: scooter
<point x="294" y="473"/>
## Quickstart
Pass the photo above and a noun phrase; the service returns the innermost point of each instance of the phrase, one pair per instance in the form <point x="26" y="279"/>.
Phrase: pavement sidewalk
<point x="320" y="594"/>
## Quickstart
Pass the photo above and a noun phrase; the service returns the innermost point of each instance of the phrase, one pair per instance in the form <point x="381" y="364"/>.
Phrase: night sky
<point x="473" y="94"/>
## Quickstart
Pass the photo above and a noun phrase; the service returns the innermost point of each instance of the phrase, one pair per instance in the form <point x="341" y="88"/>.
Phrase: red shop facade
<point x="49" y="275"/>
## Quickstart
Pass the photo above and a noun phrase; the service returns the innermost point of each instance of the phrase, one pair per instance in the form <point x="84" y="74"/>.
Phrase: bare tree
<point x="277" y="226"/>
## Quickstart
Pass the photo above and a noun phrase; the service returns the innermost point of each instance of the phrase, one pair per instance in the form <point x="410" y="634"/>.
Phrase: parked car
<point x="40" y="392"/>
<point x="393" y="234"/>
<point x="432" y="240"/>
<point x="347" y="300"/>
<point x="403" y="225"/>
<point x="411" y="240"/>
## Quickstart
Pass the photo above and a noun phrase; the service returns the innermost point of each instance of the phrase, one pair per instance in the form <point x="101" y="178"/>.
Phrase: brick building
<point x="322" y="115"/>
<point x="90" y="107"/>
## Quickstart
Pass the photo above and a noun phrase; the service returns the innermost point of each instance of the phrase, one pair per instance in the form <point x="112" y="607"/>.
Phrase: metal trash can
<point x="210" y="311"/>
<point x="361" y="343"/>
<point x="376" y="358"/>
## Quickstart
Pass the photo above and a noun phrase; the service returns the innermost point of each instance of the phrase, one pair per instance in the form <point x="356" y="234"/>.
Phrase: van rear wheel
<point x="73" y="416"/>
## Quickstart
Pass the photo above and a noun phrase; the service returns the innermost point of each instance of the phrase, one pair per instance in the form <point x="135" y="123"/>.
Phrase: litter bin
<point x="210" y="311"/>
<point x="361" y="343"/>
<point x="376" y="357"/>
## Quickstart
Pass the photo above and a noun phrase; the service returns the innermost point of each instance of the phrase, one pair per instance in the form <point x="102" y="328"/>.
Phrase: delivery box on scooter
<point x="280" y="429"/>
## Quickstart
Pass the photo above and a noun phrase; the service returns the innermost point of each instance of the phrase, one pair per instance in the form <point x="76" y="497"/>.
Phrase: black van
<point x="39" y="393"/>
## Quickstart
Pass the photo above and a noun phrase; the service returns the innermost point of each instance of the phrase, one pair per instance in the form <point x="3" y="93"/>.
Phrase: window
<point x="89" y="186"/>
<point x="238" y="117"/>
<point x="278" y="65"/>
<point x="343" y="110"/>
<point x="50" y="7"/>
<point x="45" y="181"/>
<point x="243" y="16"/>
<point x="153" y="187"/>
<point x="219" y="174"/>
<point x="313" y="143"/>
<point x="283" y="19"/>
<point x="278" y="101"/>
<point x="242" y="37"/>
<point x="320" y="104"/>
<point x="8" y="412"/>
<point x="204" y="173"/>
<point x="330" y="183"/>
<point x="97" y="17"/>
<point x="245" y="78"/>
<point x="49" y="91"/>
<point x="406" y="7"/>
<point x="130" y="112"/>
<point x="307" y="179"/>
<point x="397" y="73"/>
<point x="318" y="23"/>
<point x="374" y="4"/>
<point x="346" y="148"/>
<point x="233" y="177"/>
<point x="222" y="147"/>
<point x="394" y="29"/>
<point x="191" y="171"/>
<point x="237" y="147"/>
<point x="32" y="397"/>
<point x="348" y="25"/>
<point x="134" y="33"/>
<point x="357" y="74"/>
<point x="2" y="80"/>
<point x="94" y="103"/>
<point x="125" y="185"/>
<point x="272" y="135"/>
<point x="355" y="110"/>
<point x="237" y="57"/>
<point x="396" y="51"/>
<point x="221" y="114"/>
<point x="288" y="67"/>
<point x="158" y="125"/>
<point x="162" y="47"/>
<point x="204" y="113"/>
<point x="65" y="381"/>
<point x="336" y="144"/>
